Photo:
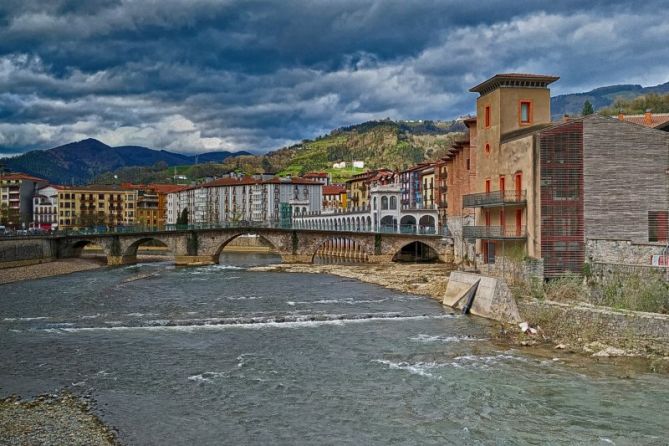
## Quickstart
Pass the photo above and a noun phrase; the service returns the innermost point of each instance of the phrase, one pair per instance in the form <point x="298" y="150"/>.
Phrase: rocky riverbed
<point x="428" y="279"/>
<point x="51" y="420"/>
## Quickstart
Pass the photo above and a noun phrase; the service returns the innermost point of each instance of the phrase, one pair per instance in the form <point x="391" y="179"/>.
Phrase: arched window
<point x="374" y="203"/>
<point x="384" y="203"/>
<point x="393" y="202"/>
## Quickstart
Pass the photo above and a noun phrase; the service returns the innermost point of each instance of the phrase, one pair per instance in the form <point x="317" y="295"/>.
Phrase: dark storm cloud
<point x="205" y="75"/>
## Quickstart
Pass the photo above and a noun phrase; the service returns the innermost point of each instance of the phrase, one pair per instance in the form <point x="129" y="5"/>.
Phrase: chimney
<point x="648" y="117"/>
<point x="621" y="116"/>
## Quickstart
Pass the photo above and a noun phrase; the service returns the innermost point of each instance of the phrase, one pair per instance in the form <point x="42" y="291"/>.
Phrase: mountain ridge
<point x="81" y="161"/>
<point x="600" y="97"/>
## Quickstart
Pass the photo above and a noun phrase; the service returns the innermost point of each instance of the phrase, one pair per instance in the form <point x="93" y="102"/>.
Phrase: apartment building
<point x="245" y="198"/>
<point x="593" y="189"/>
<point x="45" y="208"/>
<point x="334" y="197"/>
<point x="96" y="205"/>
<point x="151" y="206"/>
<point x="358" y="187"/>
<point x="16" y="198"/>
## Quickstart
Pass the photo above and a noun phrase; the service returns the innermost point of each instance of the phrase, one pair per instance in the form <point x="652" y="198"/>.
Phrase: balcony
<point x="495" y="232"/>
<point x="494" y="199"/>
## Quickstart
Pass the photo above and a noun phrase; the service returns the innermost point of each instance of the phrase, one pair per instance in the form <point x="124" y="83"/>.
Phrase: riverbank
<point x="63" y="266"/>
<point x="426" y="279"/>
<point x="598" y="332"/>
<point x="52" y="420"/>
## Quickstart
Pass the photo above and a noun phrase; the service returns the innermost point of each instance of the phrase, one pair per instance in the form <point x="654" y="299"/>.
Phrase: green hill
<point x="392" y="144"/>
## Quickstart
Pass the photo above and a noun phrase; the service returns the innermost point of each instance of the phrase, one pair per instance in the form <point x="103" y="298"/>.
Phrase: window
<point x="487" y="186"/>
<point x="393" y="203"/>
<point x="502" y="183"/>
<point x="384" y="203"/>
<point x="525" y="112"/>
<point x="487" y="116"/>
<point x="467" y="163"/>
<point x="658" y="226"/>
<point x="518" y="184"/>
<point x="487" y="149"/>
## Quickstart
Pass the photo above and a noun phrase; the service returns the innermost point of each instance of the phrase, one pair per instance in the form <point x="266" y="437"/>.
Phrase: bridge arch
<point x="76" y="247"/>
<point x="338" y="249"/>
<point x="130" y="251"/>
<point x="417" y="251"/>
<point x="264" y="240"/>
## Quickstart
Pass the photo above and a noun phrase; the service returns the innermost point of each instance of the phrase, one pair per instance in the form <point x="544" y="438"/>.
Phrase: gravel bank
<point x="64" y="266"/>
<point x="51" y="420"/>
<point x="55" y="268"/>
<point x="427" y="279"/>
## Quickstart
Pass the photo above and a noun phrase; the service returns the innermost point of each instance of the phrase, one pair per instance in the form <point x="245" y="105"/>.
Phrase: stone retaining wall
<point x="21" y="252"/>
<point x="634" y="330"/>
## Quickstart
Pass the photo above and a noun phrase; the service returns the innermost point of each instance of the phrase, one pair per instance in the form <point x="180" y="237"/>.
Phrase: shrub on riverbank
<point x="633" y="291"/>
<point x="645" y="291"/>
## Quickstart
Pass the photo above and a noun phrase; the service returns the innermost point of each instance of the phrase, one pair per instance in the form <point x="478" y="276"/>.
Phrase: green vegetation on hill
<point x="655" y="102"/>
<point x="390" y="144"/>
<point x="395" y="145"/>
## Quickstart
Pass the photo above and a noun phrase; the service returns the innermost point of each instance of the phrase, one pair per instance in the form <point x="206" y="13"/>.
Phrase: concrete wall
<point x="21" y="252"/>
<point x="493" y="298"/>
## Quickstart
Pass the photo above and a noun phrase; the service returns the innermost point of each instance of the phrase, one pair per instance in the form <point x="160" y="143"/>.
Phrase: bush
<point x="566" y="289"/>
<point x="634" y="291"/>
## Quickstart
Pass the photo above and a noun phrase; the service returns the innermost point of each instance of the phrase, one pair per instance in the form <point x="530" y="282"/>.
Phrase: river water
<point x="220" y="355"/>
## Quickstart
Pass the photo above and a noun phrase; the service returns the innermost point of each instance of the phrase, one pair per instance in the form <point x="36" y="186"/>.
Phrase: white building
<point x="246" y="199"/>
<point x="45" y="208"/>
<point x="16" y="198"/>
<point x="384" y="214"/>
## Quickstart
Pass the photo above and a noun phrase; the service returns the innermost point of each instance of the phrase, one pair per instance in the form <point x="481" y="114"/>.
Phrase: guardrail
<point x="137" y="229"/>
<point x="496" y="198"/>
<point x="494" y="232"/>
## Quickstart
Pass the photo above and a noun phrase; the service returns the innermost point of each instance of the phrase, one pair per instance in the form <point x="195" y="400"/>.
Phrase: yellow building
<point x="96" y="205"/>
<point x="510" y="107"/>
<point x="151" y="206"/>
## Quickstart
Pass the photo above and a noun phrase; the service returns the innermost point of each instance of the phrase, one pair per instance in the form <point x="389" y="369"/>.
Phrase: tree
<point x="183" y="218"/>
<point x="587" y="108"/>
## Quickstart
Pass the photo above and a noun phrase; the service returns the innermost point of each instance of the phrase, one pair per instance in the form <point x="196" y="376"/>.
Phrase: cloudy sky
<point x="202" y="75"/>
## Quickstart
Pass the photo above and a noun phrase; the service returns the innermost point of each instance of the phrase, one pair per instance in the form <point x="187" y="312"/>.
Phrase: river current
<point x="221" y="355"/>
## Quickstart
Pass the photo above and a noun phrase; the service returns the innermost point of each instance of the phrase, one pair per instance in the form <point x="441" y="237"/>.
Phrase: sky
<point x="199" y="75"/>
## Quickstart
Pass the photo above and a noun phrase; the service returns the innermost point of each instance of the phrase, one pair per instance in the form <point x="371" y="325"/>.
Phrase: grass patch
<point x="633" y="291"/>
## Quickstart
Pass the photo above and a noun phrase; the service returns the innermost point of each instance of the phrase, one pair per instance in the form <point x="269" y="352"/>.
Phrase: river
<point x="220" y="355"/>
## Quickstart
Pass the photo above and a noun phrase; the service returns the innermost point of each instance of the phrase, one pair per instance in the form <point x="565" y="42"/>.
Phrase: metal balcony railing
<point x="495" y="232"/>
<point x="496" y="198"/>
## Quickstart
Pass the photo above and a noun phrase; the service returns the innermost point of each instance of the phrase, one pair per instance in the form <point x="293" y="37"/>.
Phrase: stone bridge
<point x="203" y="246"/>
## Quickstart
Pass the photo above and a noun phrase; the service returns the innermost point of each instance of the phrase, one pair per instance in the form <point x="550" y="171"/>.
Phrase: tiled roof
<point x="167" y="188"/>
<point x="651" y="120"/>
<point x="97" y="188"/>
<point x="333" y="189"/>
<point x="315" y="175"/>
<point x="20" y="176"/>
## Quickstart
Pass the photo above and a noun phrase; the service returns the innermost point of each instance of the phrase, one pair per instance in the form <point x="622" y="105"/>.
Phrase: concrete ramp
<point x="493" y="298"/>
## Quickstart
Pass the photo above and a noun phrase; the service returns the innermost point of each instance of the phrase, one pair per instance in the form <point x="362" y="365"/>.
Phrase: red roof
<point x="20" y="176"/>
<point x="651" y="120"/>
<point x="166" y="188"/>
<point x="315" y="175"/>
<point x="334" y="189"/>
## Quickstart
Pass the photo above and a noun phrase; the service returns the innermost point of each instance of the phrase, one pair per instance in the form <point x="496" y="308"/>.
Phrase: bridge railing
<point x="136" y="229"/>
